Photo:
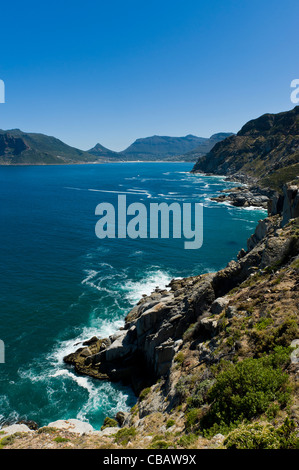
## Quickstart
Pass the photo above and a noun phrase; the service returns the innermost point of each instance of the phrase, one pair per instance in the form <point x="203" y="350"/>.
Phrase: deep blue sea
<point x="60" y="284"/>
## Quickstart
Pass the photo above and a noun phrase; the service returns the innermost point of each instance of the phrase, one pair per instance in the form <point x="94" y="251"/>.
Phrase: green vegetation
<point x="265" y="340"/>
<point x="47" y="430"/>
<point x="261" y="436"/>
<point x="160" y="445"/>
<point x="144" y="393"/>
<point x="187" y="440"/>
<point x="7" y="440"/>
<point x="159" y="442"/>
<point x="125" y="435"/>
<point x="263" y="323"/>
<point x="60" y="439"/>
<point x="276" y="179"/>
<point x="179" y="358"/>
<point x="246" y="390"/>
<point x="170" y="423"/>
<point x="109" y="423"/>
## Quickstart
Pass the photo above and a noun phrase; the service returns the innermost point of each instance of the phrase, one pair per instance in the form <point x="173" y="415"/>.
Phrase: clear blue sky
<point x="112" y="71"/>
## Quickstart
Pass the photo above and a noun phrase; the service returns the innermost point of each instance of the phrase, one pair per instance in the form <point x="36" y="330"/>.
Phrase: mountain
<point x="265" y="150"/>
<point x="168" y="148"/>
<point x="205" y="146"/>
<point x="100" y="151"/>
<point x="22" y="148"/>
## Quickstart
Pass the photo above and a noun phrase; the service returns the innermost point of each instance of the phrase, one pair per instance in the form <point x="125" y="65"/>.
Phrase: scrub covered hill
<point x="22" y="148"/>
<point x="266" y="150"/>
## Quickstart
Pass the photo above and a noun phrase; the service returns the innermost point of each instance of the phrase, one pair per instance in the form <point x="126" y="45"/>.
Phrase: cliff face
<point x="265" y="151"/>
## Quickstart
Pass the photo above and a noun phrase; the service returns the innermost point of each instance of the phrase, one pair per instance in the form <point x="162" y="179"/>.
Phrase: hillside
<point x="170" y="148"/>
<point x="266" y="150"/>
<point x="21" y="148"/>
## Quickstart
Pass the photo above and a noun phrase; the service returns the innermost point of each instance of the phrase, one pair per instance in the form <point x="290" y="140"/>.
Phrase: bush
<point x="187" y="440"/>
<point x="160" y="445"/>
<point x="179" y="358"/>
<point x="170" y="422"/>
<point x="259" y="436"/>
<point x="7" y="440"/>
<point x="109" y="423"/>
<point x="144" y="393"/>
<point x="199" y="395"/>
<point x="60" y="439"/>
<point x="192" y="418"/>
<point x="124" y="435"/>
<point x="245" y="390"/>
<point x="265" y="340"/>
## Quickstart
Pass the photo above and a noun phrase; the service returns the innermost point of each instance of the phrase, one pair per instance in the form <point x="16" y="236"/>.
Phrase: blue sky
<point x="113" y="71"/>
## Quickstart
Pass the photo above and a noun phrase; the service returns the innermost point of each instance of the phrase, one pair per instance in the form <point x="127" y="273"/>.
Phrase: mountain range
<point x="163" y="148"/>
<point x="23" y="148"/>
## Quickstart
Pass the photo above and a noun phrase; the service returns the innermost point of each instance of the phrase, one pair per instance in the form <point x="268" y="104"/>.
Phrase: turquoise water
<point x="60" y="284"/>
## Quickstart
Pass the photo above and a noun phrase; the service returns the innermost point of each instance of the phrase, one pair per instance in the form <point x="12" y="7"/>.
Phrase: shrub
<point x="124" y="435"/>
<point x="47" y="430"/>
<point x="245" y="390"/>
<point x="160" y="445"/>
<point x="192" y="418"/>
<point x="109" y="423"/>
<point x="282" y="335"/>
<point x="187" y="440"/>
<point x="144" y="393"/>
<point x="60" y="439"/>
<point x="170" y="422"/>
<point x="7" y="440"/>
<point x="260" y="436"/>
<point x="200" y="393"/>
<point x="179" y="358"/>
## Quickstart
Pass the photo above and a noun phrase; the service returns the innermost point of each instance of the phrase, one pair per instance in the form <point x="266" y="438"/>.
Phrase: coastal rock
<point x="219" y="305"/>
<point x="13" y="428"/>
<point x="73" y="425"/>
<point x="262" y="229"/>
<point x="290" y="203"/>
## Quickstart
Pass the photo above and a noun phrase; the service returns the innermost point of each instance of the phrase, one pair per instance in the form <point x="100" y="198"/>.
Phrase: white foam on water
<point x="150" y="280"/>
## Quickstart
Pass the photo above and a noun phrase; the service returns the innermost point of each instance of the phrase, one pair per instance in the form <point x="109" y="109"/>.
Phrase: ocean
<point x="61" y="285"/>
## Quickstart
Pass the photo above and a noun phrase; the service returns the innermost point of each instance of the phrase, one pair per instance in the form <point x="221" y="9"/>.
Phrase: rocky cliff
<point x="178" y="343"/>
<point x="264" y="152"/>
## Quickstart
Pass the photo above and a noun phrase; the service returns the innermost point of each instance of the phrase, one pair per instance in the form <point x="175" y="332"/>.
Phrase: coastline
<point x="162" y="315"/>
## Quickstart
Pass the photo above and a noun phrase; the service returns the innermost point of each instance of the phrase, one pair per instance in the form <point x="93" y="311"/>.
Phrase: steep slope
<point x="21" y="148"/>
<point x="266" y="150"/>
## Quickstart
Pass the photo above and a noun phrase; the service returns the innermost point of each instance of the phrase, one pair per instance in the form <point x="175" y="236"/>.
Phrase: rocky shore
<point x="143" y="351"/>
<point x="175" y="341"/>
<point x="241" y="196"/>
